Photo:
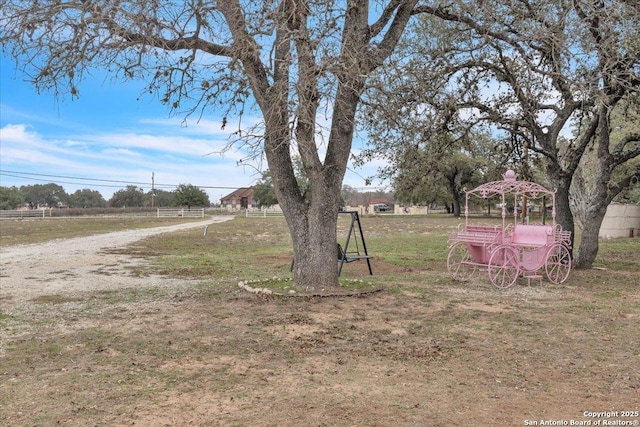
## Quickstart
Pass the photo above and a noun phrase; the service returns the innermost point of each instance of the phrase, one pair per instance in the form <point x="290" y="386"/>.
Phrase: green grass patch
<point x="55" y="299"/>
<point x="28" y="231"/>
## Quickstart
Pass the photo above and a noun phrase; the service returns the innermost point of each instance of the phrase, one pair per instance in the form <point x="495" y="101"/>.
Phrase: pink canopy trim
<point x="510" y="185"/>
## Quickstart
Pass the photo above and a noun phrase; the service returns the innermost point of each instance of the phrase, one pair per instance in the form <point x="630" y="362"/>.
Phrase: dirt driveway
<point x="67" y="266"/>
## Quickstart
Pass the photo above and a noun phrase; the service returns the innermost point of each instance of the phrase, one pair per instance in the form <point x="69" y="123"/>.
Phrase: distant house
<point x="366" y="203"/>
<point x="242" y="198"/>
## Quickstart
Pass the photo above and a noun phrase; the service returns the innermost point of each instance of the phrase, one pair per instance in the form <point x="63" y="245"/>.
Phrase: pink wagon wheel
<point x="504" y="266"/>
<point x="558" y="264"/>
<point x="459" y="262"/>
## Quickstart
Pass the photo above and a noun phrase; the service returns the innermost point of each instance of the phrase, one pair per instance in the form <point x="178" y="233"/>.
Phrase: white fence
<point x="30" y="213"/>
<point x="263" y="213"/>
<point x="185" y="213"/>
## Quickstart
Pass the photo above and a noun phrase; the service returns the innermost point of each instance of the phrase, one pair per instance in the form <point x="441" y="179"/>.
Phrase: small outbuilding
<point x="621" y="220"/>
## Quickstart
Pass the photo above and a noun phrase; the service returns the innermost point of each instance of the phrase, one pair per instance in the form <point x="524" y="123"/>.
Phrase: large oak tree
<point x="548" y="73"/>
<point x="298" y="61"/>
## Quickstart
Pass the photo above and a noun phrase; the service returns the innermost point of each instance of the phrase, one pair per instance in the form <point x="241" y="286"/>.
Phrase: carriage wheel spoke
<point x="459" y="262"/>
<point x="558" y="264"/>
<point x="503" y="267"/>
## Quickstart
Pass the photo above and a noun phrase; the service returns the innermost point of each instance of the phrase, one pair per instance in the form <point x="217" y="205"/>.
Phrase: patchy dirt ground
<point x="85" y="343"/>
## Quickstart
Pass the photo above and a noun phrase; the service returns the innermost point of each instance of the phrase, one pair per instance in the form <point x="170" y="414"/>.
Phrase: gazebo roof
<point x="510" y="185"/>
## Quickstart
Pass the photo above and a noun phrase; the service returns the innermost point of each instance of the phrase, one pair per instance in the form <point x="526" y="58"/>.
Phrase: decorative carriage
<point x="512" y="250"/>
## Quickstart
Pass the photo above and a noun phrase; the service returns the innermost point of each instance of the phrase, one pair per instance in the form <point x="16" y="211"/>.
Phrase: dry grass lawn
<point x="424" y="351"/>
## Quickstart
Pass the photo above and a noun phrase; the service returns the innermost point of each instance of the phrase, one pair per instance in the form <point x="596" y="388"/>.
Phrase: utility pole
<point x="153" y="189"/>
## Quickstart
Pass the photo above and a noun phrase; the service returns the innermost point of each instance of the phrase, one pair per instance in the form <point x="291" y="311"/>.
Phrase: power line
<point x="95" y="181"/>
<point x="57" y="182"/>
<point x="28" y="174"/>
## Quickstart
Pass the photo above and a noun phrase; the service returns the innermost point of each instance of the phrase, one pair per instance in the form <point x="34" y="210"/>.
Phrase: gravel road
<point x="69" y="266"/>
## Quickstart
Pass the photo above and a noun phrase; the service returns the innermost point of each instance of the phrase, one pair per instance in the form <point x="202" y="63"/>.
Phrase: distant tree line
<point x="264" y="192"/>
<point x="54" y="196"/>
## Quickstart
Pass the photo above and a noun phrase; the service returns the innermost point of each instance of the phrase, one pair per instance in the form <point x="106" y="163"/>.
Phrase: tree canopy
<point x="190" y="196"/>
<point x="87" y="198"/>
<point x="44" y="195"/>
<point x="10" y="198"/>
<point x="296" y="62"/>
<point x="264" y="193"/>
<point x="537" y="73"/>
<point x="131" y="196"/>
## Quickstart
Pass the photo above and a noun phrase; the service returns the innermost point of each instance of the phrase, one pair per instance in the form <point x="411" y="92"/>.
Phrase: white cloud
<point x="17" y="133"/>
<point x="121" y="151"/>
<point x="128" y="157"/>
<point x="197" y="154"/>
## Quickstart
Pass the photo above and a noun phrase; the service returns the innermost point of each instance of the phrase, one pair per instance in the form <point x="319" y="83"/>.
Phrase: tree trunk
<point x="588" y="249"/>
<point x="313" y="232"/>
<point x="315" y="249"/>
<point x="456" y="195"/>
<point x="561" y="183"/>
<point x="456" y="207"/>
<point x="313" y="225"/>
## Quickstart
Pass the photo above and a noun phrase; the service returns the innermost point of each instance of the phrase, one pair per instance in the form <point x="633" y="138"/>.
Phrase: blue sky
<point x="110" y="134"/>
